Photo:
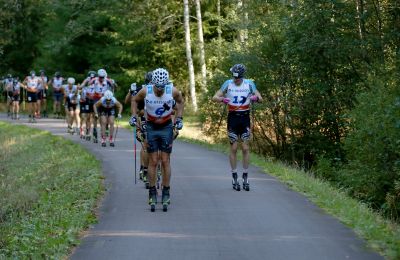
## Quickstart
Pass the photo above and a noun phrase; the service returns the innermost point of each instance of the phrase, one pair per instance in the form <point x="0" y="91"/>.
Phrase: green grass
<point x="49" y="188"/>
<point x="381" y="235"/>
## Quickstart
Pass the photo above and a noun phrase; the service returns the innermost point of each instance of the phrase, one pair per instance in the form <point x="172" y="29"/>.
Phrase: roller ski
<point x="165" y="199"/>
<point x="70" y="130"/>
<point x="235" y="182"/>
<point x="246" y="184"/>
<point x="152" y="198"/>
<point x="81" y="134"/>
<point x="103" y="142"/>
<point x="112" y="142"/>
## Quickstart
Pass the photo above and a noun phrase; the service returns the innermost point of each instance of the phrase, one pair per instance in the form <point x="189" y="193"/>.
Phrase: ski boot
<point x="165" y="200"/>
<point x="246" y="184"/>
<point x="141" y="173"/>
<point x="95" y="136"/>
<point x="69" y="130"/>
<point x="81" y="133"/>
<point x="152" y="198"/>
<point x="103" y="142"/>
<point x="112" y="143"/>
<point x="30" y="119"/>
<point x="235" y="182"/>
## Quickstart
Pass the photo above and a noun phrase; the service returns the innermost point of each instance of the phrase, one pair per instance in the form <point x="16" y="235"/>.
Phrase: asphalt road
<point x="207" y="219"/>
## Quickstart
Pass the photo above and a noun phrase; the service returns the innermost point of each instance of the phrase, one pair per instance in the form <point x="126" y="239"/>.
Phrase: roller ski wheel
<point x="147" y="185"/>
<point x="165" y="199"/>
<point x="95" y="140"/>
<point x="235" y="182"/>
<point x="152" y="198"/>
<point x="87" y="137"/>
<point x="112" y="144"/>
<point x="103" y="143"/>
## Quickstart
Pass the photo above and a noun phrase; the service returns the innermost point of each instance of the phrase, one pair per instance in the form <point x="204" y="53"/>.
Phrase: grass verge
<point x="49" y="188"/>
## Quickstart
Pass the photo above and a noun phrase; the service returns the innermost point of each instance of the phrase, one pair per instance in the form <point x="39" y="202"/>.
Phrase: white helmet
<point x="71" y="81"/>
<point x="160" y="77"/>
<point x="108" y="95"/>
<point x="102" y="73"/>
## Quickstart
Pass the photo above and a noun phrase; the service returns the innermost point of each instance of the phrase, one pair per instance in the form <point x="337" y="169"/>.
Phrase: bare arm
<point x="127" y="97"/>
<point x="96" y="106"/>
<point x="218" y="97"/>
<point x="177" y="95"/>
<point x="119" y="106"/>
<point x="257" y="93"/>
<point x="134" y="101"/>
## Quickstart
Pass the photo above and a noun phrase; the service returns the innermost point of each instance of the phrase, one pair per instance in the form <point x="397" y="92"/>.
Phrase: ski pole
<point x="134" y="147"/>
<point x="116" y="130"/>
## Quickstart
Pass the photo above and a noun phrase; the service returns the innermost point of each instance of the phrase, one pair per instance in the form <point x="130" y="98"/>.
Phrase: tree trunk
<point x="201" y="46"/>
<point x="192" y="86"/>
<point x="360" y="16"/>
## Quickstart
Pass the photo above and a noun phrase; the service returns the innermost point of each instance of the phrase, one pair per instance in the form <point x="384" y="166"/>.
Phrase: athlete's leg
<point x="166" y="168"/>
<point x="152" y="168"/>
<point x="232" y="155"/>
<point x="103" y="122"/>
<point x="110" y="122"/>
<point x="246" y="155"/>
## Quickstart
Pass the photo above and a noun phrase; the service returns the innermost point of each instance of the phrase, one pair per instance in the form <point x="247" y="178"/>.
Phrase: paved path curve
<point x="206" y="218"/>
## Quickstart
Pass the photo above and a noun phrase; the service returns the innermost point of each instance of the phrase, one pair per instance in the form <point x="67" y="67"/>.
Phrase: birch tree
<point x="201" y="46"/>
<point x="189" y="58"/>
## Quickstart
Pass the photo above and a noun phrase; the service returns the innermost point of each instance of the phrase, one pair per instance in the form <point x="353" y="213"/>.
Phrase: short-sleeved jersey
<point x="43" y="82"/>
<point x="111" y="104"/>
<point x="68" y="91"/>
<point x="238" y="95"/>
<point x="8" y="84"/>
<point x="32" y="83"/>
<point x="16" y="88"/>
<point x="100" y="86"/>
<point x="57" y="83"/>
<point x="158" y="109"/>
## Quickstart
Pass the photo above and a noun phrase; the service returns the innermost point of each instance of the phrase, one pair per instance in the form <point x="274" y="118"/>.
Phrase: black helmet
<point x="57" y="74"/>
<point x="91" y="74"/>
<point x="238" y="70"/>
<point x="148" y="76"/>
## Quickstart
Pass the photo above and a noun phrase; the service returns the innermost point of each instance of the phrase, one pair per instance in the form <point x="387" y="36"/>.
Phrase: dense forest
<point x="329" y="70"/>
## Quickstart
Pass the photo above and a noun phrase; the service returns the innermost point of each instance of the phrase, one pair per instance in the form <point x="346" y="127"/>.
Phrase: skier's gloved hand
<point x="119" y="116"/>
<point x="179" y="123"/>
<point x="254" y="98"/>
<point x="133" y="121"/>
<point x="225" y="100"/>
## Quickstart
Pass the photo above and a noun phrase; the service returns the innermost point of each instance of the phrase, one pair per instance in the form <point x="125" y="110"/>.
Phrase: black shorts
<point x="15" y="98"/>
<point x="85" y="107"/>
<point x="9" y="94"/>
<point x="42" y="94"/>
<point x="159" y="137"/>
<point x="32" y="97"/>
<point x="239" y="126"/>
<point x="107" y="111"/>
<point x="71" y="106"/>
